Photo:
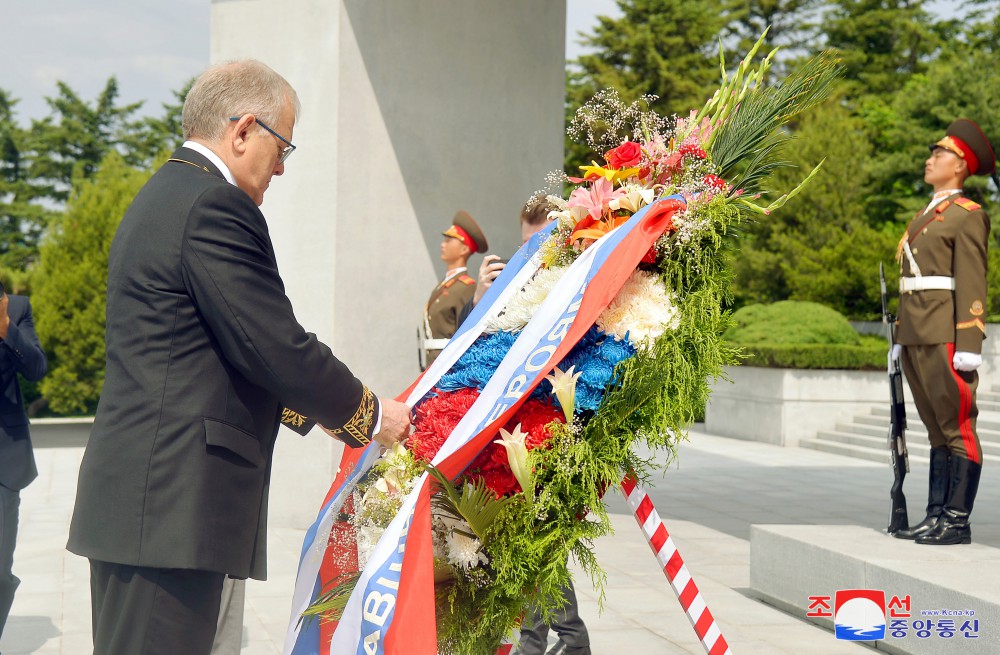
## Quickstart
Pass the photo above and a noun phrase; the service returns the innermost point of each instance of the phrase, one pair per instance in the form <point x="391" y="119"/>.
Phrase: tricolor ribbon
<point x="391" y="610"/>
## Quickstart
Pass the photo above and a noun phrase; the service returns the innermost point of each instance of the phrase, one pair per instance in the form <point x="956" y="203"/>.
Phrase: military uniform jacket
<point x="948" y="240"/>
<point x="444" y="306"/>
<point x="203" y="351"/>
<point x="21" y="353"/>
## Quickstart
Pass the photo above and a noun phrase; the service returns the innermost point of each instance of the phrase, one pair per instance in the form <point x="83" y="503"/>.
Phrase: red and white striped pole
<point x="674" y="568"/>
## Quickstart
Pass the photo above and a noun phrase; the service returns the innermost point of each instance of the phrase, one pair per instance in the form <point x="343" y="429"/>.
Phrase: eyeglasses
<point x="286" y="151"/>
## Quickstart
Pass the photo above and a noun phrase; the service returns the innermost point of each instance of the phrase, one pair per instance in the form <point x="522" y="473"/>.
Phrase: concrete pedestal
<point x="791" y="563"/>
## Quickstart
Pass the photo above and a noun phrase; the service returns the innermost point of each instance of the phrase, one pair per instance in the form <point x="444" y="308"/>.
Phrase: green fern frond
<point x="476" y="504"/>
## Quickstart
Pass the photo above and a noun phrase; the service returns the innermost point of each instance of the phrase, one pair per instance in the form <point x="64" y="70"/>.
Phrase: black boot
<point x="939" y="478"/>
<point x="953" y="526"/>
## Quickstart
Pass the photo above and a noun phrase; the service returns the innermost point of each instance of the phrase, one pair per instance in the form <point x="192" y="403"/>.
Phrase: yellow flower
<point x="517" y="456"/>
<point x="564" y="387"/>
<point x="610" y="174"/>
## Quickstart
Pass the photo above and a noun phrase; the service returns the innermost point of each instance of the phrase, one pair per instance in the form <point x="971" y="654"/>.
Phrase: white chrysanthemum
<point x="522" y="305"/>
<point x="643" y="309"/>
<point x="464" y="551"/>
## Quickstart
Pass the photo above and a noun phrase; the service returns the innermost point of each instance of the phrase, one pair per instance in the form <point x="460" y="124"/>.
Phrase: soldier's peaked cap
<point x="966" y="139"/>
<point x="468" y="232"/>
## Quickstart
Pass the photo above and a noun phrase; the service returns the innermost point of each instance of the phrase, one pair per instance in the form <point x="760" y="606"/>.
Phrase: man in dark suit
<point x="21" y="353"/>
<point x="203" y="354"/>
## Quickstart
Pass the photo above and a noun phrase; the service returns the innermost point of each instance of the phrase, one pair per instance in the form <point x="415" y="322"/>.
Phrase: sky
<point x="152" y="47"/>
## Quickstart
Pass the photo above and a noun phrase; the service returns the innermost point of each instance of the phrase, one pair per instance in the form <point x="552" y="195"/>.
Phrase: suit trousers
<point x="151" y="611"/>
<point x="567" y="624"/>
<point x="945" y="398"/>
<point x="10" y="502"/>
<point x="229" y="634"/>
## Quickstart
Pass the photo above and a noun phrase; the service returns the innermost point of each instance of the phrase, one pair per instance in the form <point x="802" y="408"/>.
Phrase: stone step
<point x="873" y="449"/>
<point x="986" y="421"/>
<point x="914" y="429"/>
<point x="837" y="447"/>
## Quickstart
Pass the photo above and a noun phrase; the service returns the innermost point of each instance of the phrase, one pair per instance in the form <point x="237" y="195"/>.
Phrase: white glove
<point x="966" y="361"/>
<point x="894" y="353"/>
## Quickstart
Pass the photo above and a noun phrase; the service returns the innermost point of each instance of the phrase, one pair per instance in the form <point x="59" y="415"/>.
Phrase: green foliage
<point x="869" y="356"/>
<point x="72" y="281"/>
<point x="819" y="247"/>
<point x="475" y="504"/>
<point x="882" y="42"/>
<point x="21" y="219"/>
<point x="790" y="322"/>
<point x="76" y="137"/>
<point x="330" y="604"/>
<point x="909" y="73"/>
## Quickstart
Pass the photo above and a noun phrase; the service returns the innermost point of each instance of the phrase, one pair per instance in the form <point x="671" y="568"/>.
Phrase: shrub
<point x="803" y="335"/>
<point x="790" y="322"/>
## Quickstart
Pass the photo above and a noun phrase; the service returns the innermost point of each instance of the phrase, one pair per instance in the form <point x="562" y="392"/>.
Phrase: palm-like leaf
<point x="747" y="140"/>
<point x="329" y="605"/>
<point x="476" y="504"/>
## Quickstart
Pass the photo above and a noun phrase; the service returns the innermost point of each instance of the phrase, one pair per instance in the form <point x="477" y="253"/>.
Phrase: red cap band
<point x="463" y="236"/>
<point x="961" y="149"/>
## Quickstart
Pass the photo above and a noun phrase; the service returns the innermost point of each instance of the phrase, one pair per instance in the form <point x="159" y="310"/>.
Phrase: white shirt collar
<point x="212" y="157"/>
<point x="939" y="196"/>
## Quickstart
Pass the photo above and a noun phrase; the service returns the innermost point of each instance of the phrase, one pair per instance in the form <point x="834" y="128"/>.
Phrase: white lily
<point x="634" y="198"/>
<point x="564" y="387"/>
<point x="517" y="456"/>
<point x="569" y="216"/>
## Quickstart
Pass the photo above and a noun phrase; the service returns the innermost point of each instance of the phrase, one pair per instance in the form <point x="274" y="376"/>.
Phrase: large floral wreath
<point x="504" y="527"/>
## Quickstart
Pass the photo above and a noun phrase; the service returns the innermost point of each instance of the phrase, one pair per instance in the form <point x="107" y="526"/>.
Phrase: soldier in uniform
<point x="461" y="240"/>
<point x="940" y="331"/>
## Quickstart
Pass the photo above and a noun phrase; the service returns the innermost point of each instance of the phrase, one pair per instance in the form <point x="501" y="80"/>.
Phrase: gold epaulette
<point x="899" y="246"/>
<point x="466" y="279"/>
<point x="967" y="204"/>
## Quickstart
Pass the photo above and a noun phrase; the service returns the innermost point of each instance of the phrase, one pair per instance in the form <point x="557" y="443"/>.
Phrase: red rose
<point x="624" y="156"/>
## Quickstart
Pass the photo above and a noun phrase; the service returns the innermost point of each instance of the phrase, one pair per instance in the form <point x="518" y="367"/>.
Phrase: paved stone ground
<point x="708" y="502"/>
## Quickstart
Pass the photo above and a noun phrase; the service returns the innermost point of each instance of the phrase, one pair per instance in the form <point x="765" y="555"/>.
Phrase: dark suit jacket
<point x="202" y="351"/>
<point x="20" y="353"/>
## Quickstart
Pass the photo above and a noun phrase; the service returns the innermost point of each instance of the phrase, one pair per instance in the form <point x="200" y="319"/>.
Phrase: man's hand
<point x="4" y="318"/>
<point x="488" y="271"/>
<point x="963" y="361"/>
<point x="395" y="422"/>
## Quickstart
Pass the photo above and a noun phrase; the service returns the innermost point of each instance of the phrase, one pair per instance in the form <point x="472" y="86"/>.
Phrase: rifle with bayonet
<point x="899" y="457"/>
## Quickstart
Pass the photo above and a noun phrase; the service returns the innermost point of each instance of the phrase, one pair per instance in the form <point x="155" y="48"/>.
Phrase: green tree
<point x="69" y="301"/>
<point x="818" y="247"/>
<point x="21" y="219"/>
<point x="882" y="42"/>
<point x="789" y="23"/>
<point x="77" y="135"/>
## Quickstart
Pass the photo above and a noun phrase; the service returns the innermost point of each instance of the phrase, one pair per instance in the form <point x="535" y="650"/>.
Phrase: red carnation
<point x="436" y="418"/>
<point x="624" y="156"/>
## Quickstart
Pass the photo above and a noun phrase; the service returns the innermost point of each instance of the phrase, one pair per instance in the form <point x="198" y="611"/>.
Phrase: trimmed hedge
<point x="866" y="357"/>
<point x="803" y="335"/>
<point x="790" y="322"/>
